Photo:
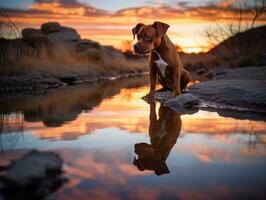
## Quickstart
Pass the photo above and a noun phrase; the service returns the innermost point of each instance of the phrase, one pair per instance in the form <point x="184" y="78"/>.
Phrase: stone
<point x="33" y="165"/>
<point x="248" y="95"/>
<point x="183" y="103"/>
<point x="50" y="27"/>
<point x="27" y="32"/>
<point x="64" y="35"/>
<point x="33" y="176"/>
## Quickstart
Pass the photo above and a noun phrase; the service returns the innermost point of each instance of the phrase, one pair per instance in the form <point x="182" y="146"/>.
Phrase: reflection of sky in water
<point x="214" y="157"/>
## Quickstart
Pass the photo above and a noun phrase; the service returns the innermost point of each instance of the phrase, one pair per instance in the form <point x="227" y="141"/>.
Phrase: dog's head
<point x="149" y="159"/>
<point x="149" y="36"/>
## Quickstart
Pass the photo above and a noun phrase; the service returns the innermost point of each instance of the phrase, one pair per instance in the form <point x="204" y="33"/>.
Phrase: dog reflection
<point x="163" y="132"/>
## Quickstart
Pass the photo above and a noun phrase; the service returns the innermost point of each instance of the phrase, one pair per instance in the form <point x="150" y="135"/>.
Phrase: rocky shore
<point x="36" y="81"/>
<point x="241" y="90"/>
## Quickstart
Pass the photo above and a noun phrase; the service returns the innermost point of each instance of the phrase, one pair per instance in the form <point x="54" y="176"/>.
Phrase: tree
<point x="247" y="14"/>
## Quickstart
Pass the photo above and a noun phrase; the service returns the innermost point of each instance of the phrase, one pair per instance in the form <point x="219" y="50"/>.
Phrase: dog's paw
<point x="185" y="90"/>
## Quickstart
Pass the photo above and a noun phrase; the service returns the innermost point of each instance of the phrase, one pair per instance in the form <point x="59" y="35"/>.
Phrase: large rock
<point x="33" y="176"/>
<point x="83" y="45"/>
<point x="248" y="95"/>
<point x="33" y="165"/>
<point x="50" y="27"/>
<point x="35" y="38"/>
<point x="27" y="32"/>
<point x="64" y="35"/>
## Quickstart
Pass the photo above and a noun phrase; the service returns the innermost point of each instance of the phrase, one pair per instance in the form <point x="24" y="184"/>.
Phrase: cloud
<point x="66" y="7"/>
<point x="80" y="15"/>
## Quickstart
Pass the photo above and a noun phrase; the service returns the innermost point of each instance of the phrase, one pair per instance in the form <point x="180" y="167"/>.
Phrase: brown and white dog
<point x="164" y="61"/>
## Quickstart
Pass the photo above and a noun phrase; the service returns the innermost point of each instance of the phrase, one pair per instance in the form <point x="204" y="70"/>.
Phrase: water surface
<point x="116" y="146"/>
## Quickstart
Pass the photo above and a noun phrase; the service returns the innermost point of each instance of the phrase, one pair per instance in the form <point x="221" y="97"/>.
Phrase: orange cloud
<point x="105" y="26"/>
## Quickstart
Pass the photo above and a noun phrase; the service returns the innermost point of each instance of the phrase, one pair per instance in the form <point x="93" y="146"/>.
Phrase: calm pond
<point x="116" y="146"/>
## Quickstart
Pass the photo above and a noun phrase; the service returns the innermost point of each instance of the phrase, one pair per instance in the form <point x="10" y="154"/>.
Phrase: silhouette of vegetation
<point x="247" y="15"/>
<point x="10" y="123"/>
<point x="8" y="29"/>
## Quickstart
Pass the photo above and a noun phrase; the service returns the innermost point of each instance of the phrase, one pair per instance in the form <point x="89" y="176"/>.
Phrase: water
<point x="116" y="146"/>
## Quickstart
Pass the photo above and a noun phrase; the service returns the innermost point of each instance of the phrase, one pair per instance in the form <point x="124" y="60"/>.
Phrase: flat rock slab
<point x="183" y="103"/>
<point x="244" y="73"/>
<point x="246" y="95"/>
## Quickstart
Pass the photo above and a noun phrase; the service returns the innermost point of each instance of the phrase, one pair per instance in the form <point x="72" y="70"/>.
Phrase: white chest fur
<point x="161" y="64"/>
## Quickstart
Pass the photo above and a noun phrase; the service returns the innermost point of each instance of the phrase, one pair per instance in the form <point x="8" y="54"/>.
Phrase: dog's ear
<point x="161" y="28"/>
<point x="136" y="29"/>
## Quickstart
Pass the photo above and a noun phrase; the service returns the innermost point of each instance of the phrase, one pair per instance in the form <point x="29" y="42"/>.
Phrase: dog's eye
<point x="147" y="38"/>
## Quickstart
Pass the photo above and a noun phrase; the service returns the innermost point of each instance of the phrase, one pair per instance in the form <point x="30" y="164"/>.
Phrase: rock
<point x="163" y="96"/>
<point x="68" y="78"/>
<point x="33" y="165"/>
<point x="201" y="71"/>
<point x="50" y="27"/>
<point x="36" y="39"/>
<point x="31" y="81"/>
<point x="83" y="45"/>
<point x="245" y="73"/>
<point x="183" y="103"/>
<point x="34" y="75"/>
<point x="33" y="176"/>
<point x="246" y="95"/>
<point x="64" y="35"/>
<point x="27" y="32"/>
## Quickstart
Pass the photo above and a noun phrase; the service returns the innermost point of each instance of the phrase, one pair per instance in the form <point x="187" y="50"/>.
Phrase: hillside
<point x="250" y="41"/>
<point x="244" y="49"/>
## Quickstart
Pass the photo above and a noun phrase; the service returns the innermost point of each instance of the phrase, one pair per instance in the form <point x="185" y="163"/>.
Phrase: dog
<point x="164" y="132"/>
<point x="164" y="60"/>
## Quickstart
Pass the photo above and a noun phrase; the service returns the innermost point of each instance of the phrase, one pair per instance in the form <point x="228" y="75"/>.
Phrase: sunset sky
<point x="110" y="22"/>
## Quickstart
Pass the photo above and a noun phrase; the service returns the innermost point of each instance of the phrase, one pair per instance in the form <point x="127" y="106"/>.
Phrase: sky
<point x="110" y="22"/>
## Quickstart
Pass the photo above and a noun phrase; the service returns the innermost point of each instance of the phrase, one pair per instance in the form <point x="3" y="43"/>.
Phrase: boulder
<point x="33" y="176"/>
<point x="64" y="35"/>
<point x="33" y="165"/>
<point x="27" y="32"/>
<point x="50" y="27"/>
<point x="83" y="45"/>
<point x="36" y="39"/>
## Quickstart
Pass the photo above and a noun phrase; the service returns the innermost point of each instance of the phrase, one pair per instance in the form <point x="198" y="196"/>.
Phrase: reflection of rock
<point x="54" y="108"/>
<point x="33" y="176"/>
<point x="238" y="114"/>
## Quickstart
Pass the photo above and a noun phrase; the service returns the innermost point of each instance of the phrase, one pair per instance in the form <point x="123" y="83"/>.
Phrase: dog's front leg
<point x="153" y="76"/>
<point x="177" y="79"/>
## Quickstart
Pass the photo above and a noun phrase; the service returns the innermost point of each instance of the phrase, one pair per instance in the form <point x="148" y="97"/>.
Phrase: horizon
<point x="111" y="23"/>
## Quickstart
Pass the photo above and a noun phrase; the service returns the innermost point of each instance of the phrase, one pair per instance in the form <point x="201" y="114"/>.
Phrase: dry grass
<point x="64" y="58"/>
